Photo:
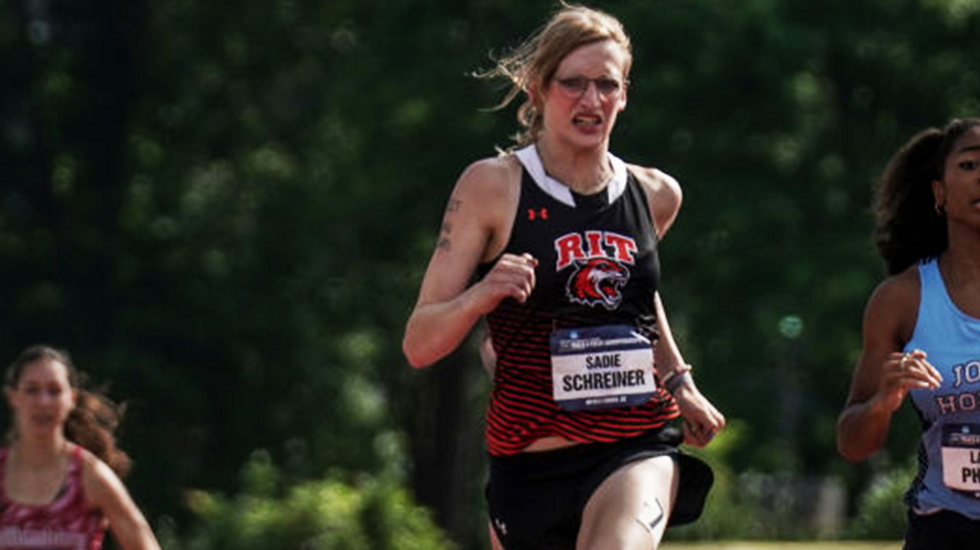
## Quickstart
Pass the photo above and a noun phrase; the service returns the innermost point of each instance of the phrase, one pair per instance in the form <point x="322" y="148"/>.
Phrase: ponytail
<point x="92" y="424"/>
<point x="907" y="227"/>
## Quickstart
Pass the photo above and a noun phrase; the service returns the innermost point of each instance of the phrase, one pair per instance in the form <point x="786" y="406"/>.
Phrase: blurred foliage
<point x="325" y="514"/>
<point x="729" y="513"/>
<point x="226" y="211"/>
<point x="882" y="512"/>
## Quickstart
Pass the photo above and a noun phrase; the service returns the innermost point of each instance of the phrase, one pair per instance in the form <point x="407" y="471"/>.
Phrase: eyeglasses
<point x="576" y="86"/>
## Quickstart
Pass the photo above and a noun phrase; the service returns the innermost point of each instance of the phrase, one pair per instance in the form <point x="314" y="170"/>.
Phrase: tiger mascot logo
<point x="597" y="281"/>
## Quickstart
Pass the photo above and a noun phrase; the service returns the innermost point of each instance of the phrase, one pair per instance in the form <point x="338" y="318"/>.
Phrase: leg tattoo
<point x="651" y="515"/>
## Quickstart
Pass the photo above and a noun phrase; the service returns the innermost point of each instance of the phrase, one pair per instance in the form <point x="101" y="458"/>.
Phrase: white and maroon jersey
<point x="66" y="523"/>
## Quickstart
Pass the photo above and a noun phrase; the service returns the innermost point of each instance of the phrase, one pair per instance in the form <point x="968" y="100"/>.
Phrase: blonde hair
<point x="533" y="64"/>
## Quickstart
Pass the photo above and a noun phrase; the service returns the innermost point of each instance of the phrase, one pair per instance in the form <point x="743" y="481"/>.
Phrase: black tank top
<point x="597" y="265"/>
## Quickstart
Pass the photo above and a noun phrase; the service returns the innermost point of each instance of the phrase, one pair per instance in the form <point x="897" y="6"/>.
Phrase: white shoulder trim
<point x="532" y="163"/>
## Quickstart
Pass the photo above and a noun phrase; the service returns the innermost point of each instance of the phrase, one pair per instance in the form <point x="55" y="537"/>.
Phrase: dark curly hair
<point x="92" y="422"/>
<point x="908" y="227"/>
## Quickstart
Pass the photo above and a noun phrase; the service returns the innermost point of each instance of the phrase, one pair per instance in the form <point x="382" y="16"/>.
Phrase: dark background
<point x="225" y="209"/>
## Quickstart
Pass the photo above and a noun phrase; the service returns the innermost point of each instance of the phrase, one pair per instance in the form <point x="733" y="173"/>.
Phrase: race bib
<point x="961" y="457"/>
<point x="601" y="367"/>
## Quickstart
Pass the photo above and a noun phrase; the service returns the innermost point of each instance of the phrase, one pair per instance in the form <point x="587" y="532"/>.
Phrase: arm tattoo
<point x="444" y="243"/>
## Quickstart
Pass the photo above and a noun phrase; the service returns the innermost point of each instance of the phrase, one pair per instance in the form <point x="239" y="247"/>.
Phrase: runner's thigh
<point x="629" y="510"/>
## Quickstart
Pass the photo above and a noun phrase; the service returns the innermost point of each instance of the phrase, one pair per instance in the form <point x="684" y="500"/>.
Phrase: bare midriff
<point x="549" y="443"/>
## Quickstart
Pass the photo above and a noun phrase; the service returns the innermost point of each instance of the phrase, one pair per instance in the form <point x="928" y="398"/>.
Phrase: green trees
<point x="226" y="209"/>
<point x="330" y="514"/>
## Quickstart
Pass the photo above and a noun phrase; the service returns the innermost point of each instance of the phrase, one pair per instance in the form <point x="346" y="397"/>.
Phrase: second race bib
<point x="961" y="457"/>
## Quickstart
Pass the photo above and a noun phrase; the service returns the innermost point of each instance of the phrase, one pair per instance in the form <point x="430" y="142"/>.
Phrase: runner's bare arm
<point x="106" y="492"/>
<point x="701" y="419"/>
<point x="479" y="210"/>
<point x="883" y="377"/>
<point x="664" y="196"/>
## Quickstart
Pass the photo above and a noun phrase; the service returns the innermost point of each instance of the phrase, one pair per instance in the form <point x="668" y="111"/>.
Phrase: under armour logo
<point x="533" y="214"/>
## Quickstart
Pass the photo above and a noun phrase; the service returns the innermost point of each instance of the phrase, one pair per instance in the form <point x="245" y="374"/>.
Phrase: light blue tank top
<point x="951" y="339"/>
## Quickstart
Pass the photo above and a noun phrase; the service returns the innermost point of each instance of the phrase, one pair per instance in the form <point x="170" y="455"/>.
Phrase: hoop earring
<point x="940" y="209"/>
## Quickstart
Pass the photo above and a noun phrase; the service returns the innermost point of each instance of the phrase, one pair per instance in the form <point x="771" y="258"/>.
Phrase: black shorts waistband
<point x="663" y="440"/>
